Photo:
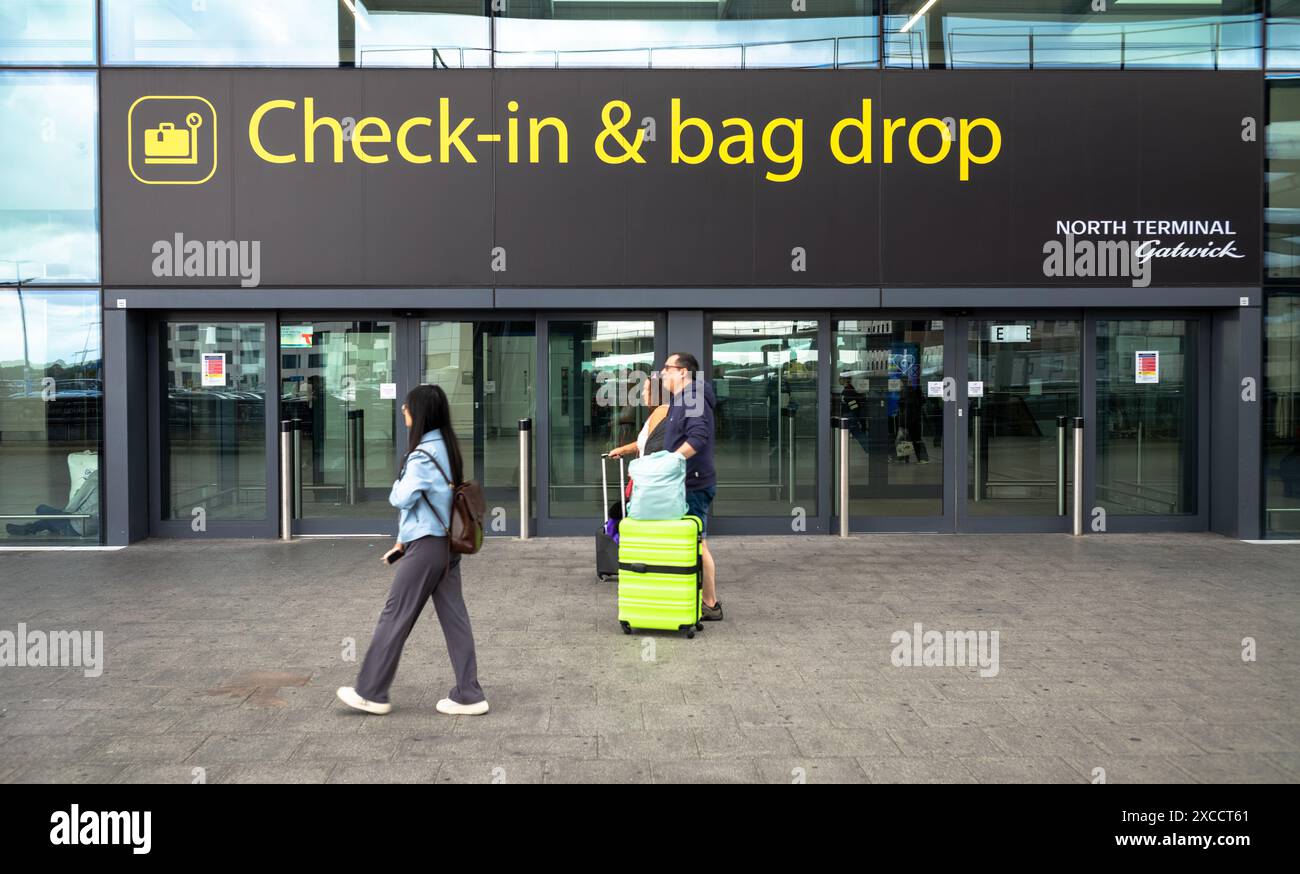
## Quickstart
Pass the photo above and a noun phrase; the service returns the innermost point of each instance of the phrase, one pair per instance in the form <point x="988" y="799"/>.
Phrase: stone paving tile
<point x="1120" y="652"/>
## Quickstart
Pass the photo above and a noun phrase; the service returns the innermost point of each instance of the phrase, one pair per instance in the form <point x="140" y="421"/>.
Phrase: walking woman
<point x="428" y="568"/>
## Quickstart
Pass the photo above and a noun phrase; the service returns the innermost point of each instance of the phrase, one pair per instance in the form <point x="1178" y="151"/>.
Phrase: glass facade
<point x="49" y="212"/>
<point x="47" y="32"/>
<point x="767" y="441"/>
<point x="51" y="413"/>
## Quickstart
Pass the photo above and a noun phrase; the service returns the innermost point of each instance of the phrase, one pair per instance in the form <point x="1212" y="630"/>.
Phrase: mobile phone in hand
<point x="393" y="555"/>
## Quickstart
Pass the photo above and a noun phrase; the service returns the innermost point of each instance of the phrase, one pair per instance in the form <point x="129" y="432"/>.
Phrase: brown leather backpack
<point x="468" y="505"/>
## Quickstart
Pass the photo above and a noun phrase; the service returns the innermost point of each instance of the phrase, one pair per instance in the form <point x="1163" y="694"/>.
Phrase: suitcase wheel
<point x="690" y="633"/>
<point x="699" y="626"/>
<point x="627" y="629"/>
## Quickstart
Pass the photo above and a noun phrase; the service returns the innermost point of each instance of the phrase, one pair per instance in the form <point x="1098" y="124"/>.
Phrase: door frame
<point x="268" y="526"/>
<point x="546" y="524"/>
<point x="1125" y="524"/>
<point x="945" y="522"/>
<point x="354" y="525"/>
<point x="963" y="521"/>
<point x="410" y="372"/>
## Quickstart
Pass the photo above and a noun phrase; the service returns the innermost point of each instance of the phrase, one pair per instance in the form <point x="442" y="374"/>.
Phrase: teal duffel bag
<point x="658" y="487"/>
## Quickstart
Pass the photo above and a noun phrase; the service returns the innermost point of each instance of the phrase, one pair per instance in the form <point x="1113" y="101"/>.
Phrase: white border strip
<point x="60" y="548"/>
<point x="1272" y="542"/>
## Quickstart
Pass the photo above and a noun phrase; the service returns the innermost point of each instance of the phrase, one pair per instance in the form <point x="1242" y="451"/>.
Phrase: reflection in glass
<point x="47" y="32"/>
<point x="338" y="379"/>
<point x="49" y="217"/>
<point x="214" y="415"/>
<point x="1283" y="34"/>
<point x="595" y="405"/>
<point x="745" y="34"/>
<point x="51" y="412"/>
<point x="1146" y="416"/>
<point x="488" y="370"/>
<point x="420" y="33"/>
<point x="236" y="33"/>
<point x="1028" y="373"/>
<point x="765" y="377"/>
<point x="883" y="369"/>
<point x="1045" y="33"/>
<point x="1282" y="415"/>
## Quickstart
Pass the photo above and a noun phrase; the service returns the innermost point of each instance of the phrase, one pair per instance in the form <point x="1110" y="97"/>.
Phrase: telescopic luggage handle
<point x="604" y="486"/>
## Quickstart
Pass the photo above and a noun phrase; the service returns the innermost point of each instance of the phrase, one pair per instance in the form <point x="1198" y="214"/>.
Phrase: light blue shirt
<point x="416" y="520"/>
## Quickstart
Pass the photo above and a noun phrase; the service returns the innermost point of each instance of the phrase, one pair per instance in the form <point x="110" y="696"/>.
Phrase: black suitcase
<point x="606" y="547"/>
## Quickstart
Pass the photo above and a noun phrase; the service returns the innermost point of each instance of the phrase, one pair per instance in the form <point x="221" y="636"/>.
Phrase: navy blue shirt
<point x="690" y="419"/>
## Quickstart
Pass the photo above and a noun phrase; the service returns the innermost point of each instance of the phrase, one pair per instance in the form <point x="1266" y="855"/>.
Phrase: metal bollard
<point x="842" y="424"/>
<point x="1060" y="465"/>
<point x="286" y="480"/>
<point x="1078" y="476"/>
<point x="526" y="475"/>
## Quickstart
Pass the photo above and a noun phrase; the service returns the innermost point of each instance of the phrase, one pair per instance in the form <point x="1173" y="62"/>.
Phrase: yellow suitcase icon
<point x="165" y="144"/>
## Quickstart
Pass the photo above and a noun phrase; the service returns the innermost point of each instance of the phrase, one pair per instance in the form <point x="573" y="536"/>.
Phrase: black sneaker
<point x="711" y="614"/>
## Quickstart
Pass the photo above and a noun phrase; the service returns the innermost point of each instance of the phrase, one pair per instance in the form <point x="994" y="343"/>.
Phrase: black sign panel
<point x="610" y="178"/>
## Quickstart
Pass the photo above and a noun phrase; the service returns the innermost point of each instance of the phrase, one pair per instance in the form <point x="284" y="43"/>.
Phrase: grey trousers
<point x="416" y="580"/>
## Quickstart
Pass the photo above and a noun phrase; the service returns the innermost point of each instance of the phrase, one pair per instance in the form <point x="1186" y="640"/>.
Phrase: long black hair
<point x="430" y="411"/>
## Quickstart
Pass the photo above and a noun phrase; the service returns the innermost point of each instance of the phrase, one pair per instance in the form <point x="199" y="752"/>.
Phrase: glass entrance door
<point x="1147" y="435"/>
<point x="886" y="371"/>
<point x="1021" y="376"/>
<point x="211" y="474"/>
<point x="489" y="371"/>
<point x="339" y="379"/>
<point x="594" y="370"/>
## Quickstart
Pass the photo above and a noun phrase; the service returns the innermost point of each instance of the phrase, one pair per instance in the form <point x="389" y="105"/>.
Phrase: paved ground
<point x="1115" y="652"/>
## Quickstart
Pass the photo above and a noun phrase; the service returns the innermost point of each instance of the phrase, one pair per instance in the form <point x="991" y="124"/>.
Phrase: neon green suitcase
<point x="660" y="574"/>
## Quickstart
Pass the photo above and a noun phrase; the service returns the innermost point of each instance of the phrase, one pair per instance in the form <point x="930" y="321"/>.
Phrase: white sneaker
<point x="451" y="708"/>
<point x="349" y="696"/>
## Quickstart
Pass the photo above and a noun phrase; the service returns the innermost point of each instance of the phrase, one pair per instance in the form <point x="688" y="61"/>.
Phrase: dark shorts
<point x="698" y="502"/>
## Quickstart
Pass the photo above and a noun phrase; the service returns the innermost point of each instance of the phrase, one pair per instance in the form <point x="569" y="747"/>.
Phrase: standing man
<point x="688" y="431"/>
